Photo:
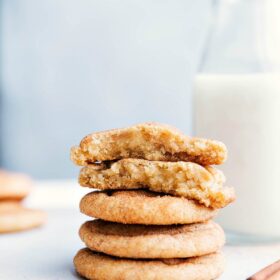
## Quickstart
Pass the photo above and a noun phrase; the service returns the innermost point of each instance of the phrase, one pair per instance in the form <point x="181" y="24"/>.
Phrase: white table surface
<point x="47" y="252"/>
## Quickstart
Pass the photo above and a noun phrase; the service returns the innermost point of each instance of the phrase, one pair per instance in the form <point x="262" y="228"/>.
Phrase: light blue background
<point x="73" y="67"/>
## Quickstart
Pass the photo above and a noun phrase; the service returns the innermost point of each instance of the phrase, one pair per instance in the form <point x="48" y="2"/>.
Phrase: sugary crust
<point x="141" y="241"/>
<point x="14" y="186"/>
<point x="151" y="141"/>
<point x="14" y="217"/>
<point x="143" y="207"/>
<point x="184" y="179"/>
<point x="97" y="266"/>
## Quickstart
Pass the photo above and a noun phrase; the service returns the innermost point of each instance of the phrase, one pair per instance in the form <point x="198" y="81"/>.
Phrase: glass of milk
<point x="243" y="111"/>
<point x="237" y="101"/>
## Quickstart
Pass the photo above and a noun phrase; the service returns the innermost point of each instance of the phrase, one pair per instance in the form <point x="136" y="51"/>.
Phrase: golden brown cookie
<point x="144" y="207"/>
<point x="142" y="241"/>
<point x="98" y="266"/>
<point x="185" y="179"/>
<point x="151" y="141"/>
<point x="14" y="186"/>
<point x="14" y="217"/>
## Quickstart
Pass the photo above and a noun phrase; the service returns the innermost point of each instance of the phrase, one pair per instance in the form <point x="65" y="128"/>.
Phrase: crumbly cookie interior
<point x="184" y="179"/>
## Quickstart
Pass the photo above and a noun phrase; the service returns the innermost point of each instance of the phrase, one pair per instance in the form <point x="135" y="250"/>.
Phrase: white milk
<point x="243" y="111"/>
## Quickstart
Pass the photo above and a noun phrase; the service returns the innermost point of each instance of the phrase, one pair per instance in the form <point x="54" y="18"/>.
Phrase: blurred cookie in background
<point x="14" y="217"/>
<point x="14" y="187"/>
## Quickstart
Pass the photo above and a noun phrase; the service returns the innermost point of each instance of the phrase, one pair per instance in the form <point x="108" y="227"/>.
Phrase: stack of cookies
<point x="14" y="216"/>
<point x="158" y="192"/>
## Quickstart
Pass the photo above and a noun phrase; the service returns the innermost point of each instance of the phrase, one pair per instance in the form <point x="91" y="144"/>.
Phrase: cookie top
<point x="141" y="241"/>
<point x="187" y="179"/>
<point x="14" y="217"/>
<point x="98" y="266"/>
<point x="144" y="207"/>
<point x="151" y="141"/>
<point x="14" y="186"/>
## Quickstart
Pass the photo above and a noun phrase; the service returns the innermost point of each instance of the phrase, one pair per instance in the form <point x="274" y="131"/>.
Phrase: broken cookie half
<point x="150" y="141"/>
<point x="185" y="179"/>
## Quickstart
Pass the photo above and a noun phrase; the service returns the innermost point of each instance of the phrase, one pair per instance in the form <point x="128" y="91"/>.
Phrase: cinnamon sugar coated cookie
<point x="14" y="217"/>
<point x="157" y="193"/>
<point x="140" y="241"/>
<point x="14" y="186"/>
<point x="144" y="207"/>
<point x="96" y="266"/>
<point x="185" y="179"/>
<point x="151" y="141"/>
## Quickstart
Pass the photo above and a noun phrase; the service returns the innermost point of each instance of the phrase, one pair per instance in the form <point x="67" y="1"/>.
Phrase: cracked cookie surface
<point x="92" y="265"/>
<point x="140" y="241"/>
<point x="144" y="207"/>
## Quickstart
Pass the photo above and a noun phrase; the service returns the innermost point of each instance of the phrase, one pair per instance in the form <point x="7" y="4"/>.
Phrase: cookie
<point x="141" y="241"/>
<point x="185" y="179"/>
<point x="14" y="186"/>
<point x="92" y="265"/>
<point x="151" y="141"/>
<point x="14" y="217"/>
<point x="144" y="207"/>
